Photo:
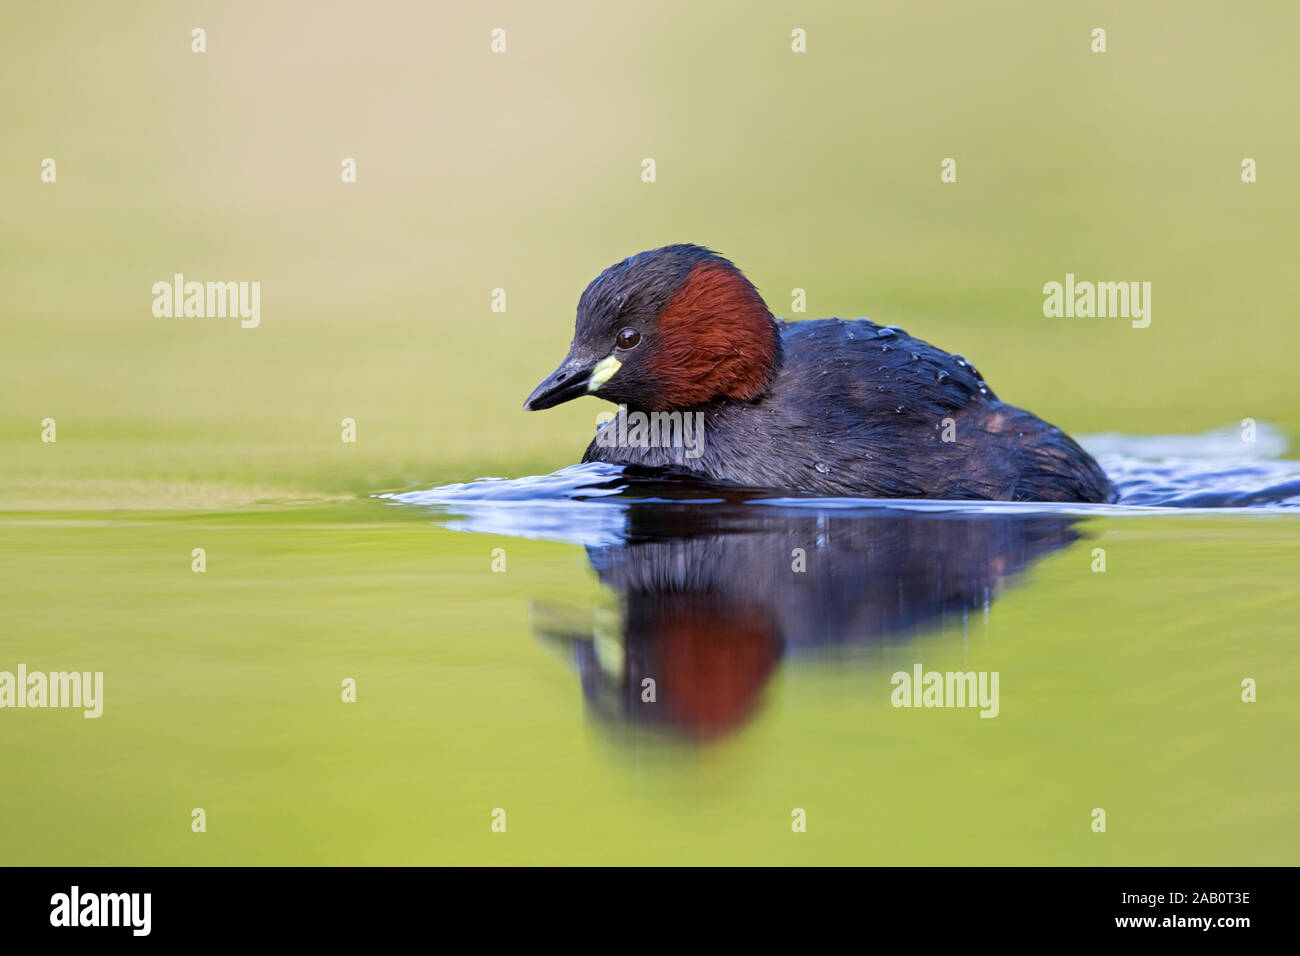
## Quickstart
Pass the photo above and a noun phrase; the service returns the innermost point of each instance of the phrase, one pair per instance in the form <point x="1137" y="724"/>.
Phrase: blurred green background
<point x="522" y="171"/>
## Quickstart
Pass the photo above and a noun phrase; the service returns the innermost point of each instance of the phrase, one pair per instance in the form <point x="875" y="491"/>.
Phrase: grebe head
<point x="664" y="329"/>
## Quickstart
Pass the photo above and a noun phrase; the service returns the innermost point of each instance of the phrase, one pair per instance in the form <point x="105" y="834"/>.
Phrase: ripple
<point x="1214" y="471"/>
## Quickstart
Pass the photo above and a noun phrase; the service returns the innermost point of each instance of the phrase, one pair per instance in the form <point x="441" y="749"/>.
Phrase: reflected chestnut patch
<point x="712" y="597"/>
<point x="708" y="600"/>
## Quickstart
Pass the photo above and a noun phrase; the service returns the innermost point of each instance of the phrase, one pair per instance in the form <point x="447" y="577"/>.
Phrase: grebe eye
<point x="628" y="338"/>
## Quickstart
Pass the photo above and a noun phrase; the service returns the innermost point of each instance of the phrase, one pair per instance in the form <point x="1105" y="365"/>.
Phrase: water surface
<point x="501" y="632"/>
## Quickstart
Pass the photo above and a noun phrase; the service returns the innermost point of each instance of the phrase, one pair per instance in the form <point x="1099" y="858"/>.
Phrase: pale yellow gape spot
<point x="603" y="372"/>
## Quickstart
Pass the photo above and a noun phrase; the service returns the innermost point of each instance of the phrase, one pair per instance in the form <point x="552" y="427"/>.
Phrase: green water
<point x="1119" y="690"/>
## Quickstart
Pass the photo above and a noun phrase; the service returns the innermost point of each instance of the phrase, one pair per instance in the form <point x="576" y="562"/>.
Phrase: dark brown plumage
<point x="825" y="406"/>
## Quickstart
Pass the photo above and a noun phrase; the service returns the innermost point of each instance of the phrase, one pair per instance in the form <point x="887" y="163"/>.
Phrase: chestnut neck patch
<point x="717" y="339"/>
